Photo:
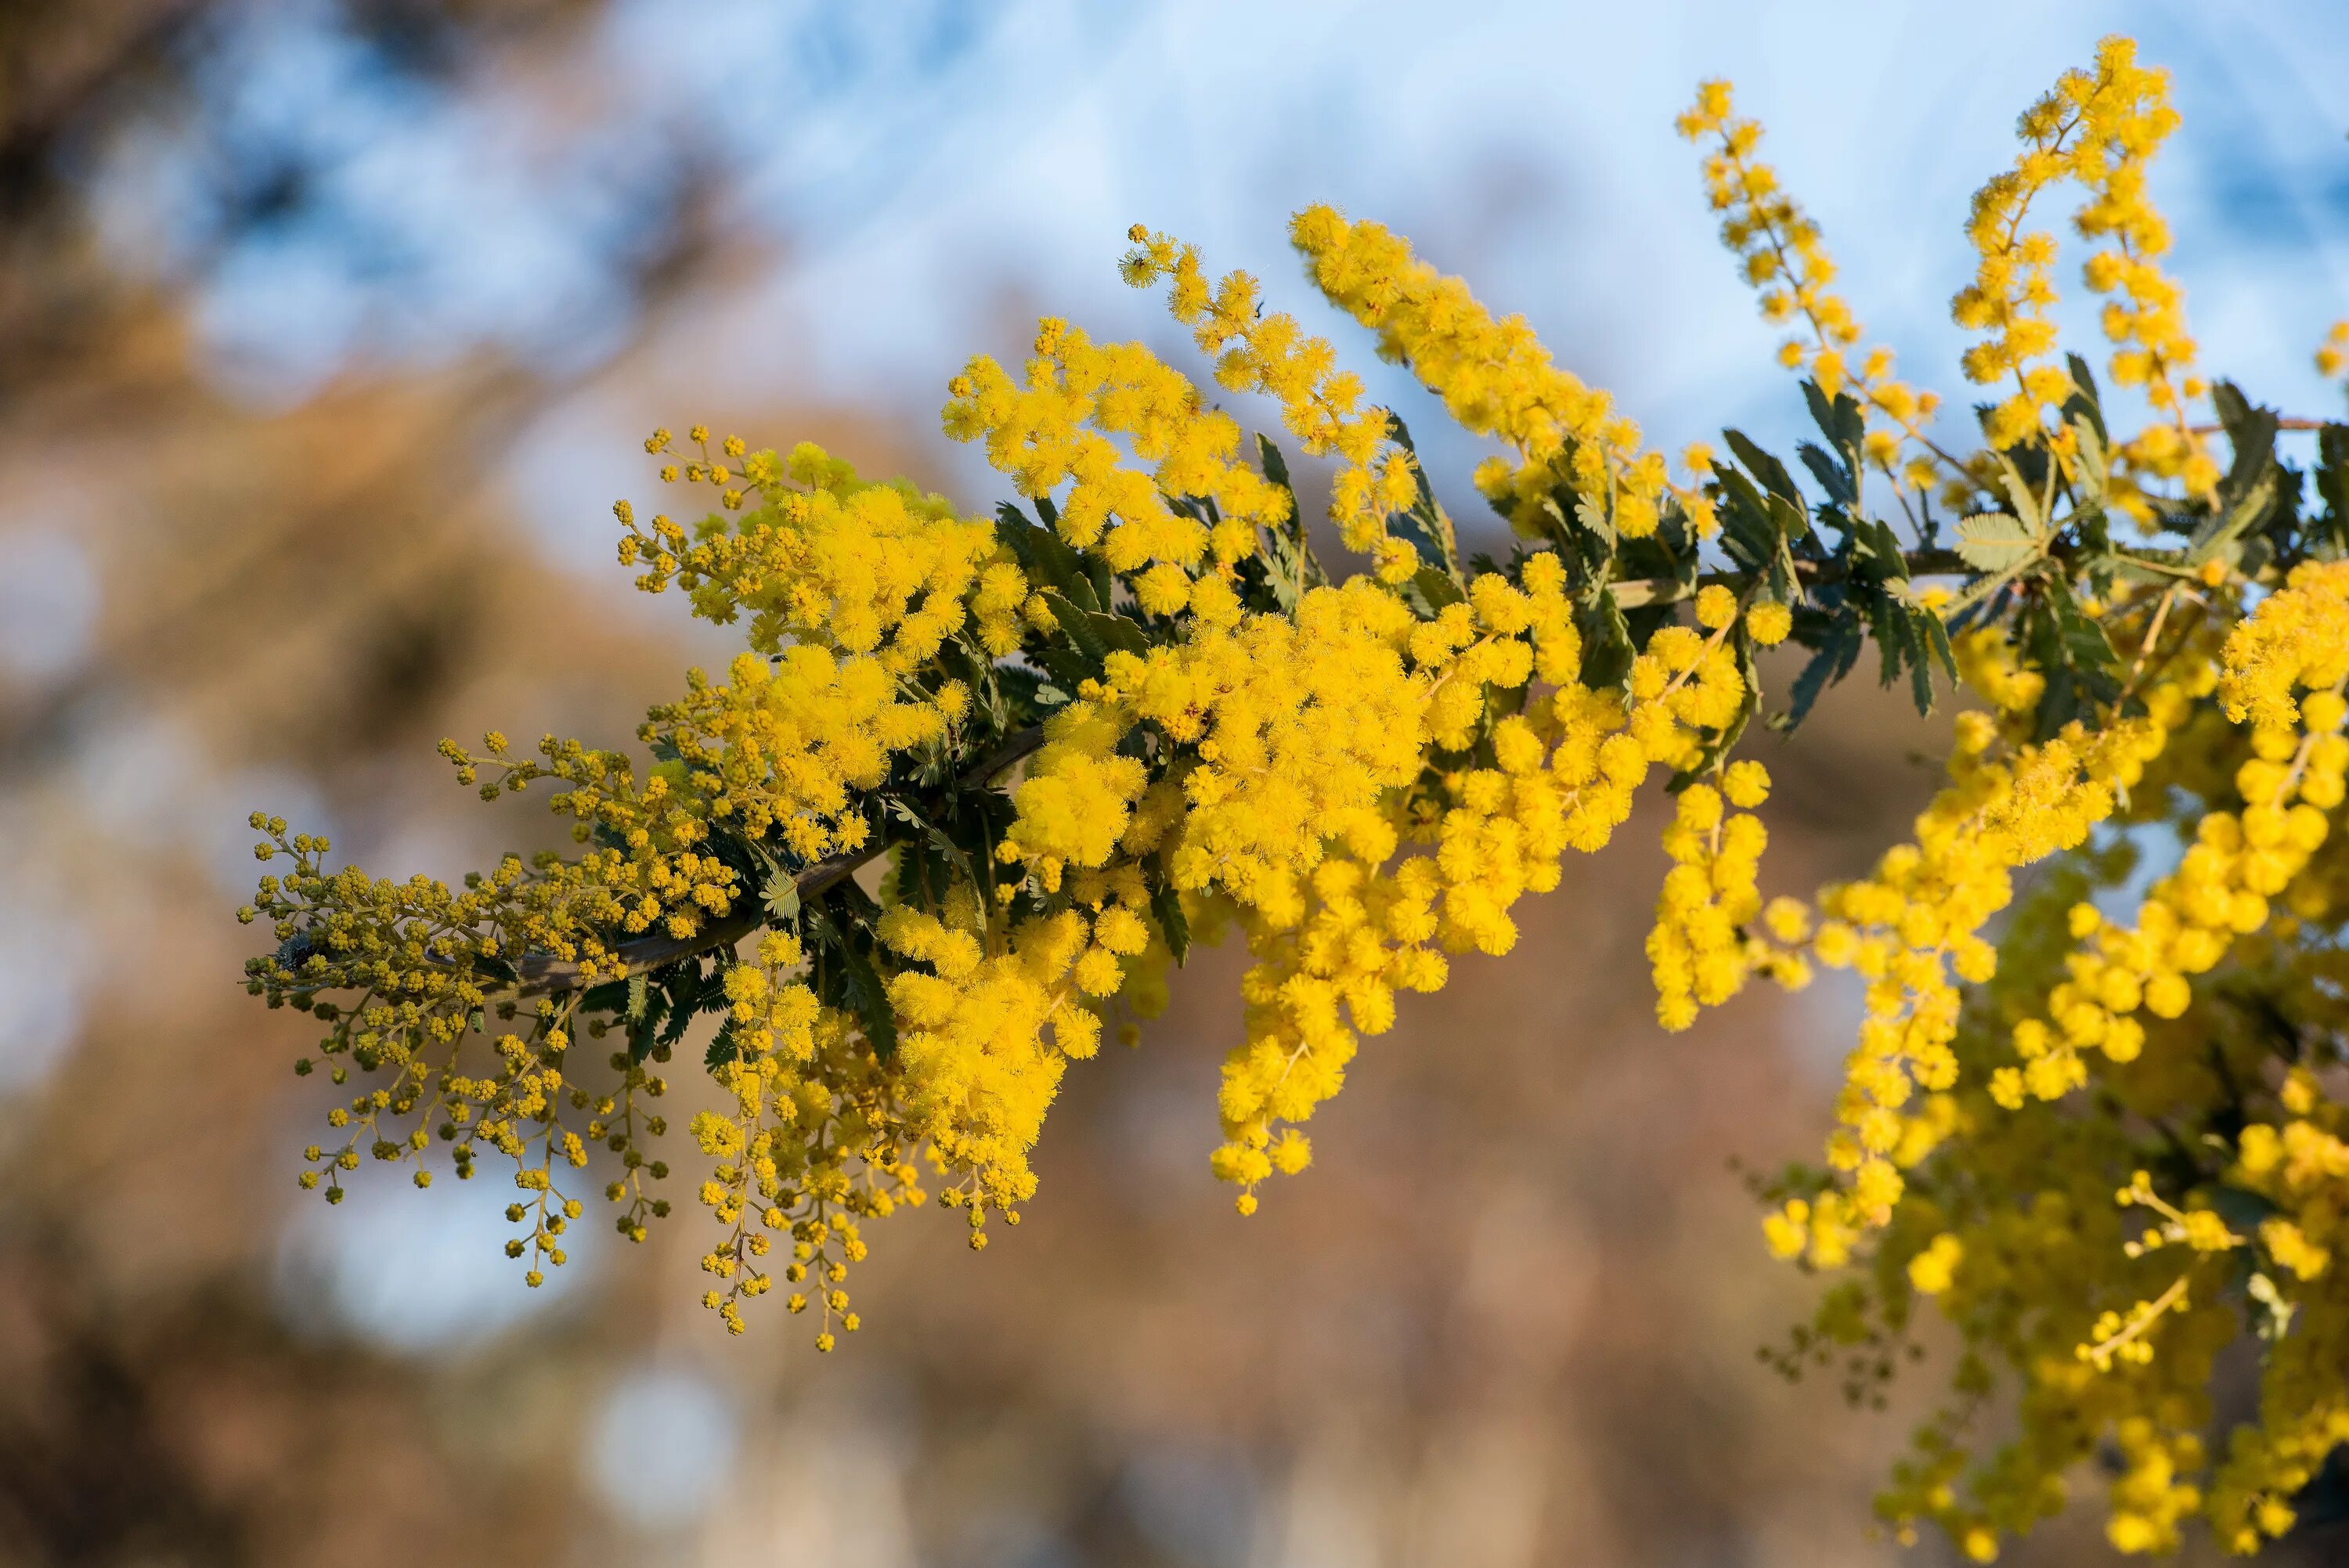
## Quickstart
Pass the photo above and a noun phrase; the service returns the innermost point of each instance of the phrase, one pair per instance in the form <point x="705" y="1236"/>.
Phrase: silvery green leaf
<point x="1994" y="541"/>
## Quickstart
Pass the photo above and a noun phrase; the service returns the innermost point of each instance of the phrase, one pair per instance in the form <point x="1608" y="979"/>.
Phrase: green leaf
<point x="687" y="997"/>
<point x="844" y="967"/>
<point x="2095" y="466"/>
<point x="1275" y="466"/>
<point x="1437" y="588"/>
<point x="782" y="899"/>
<point x="2248" y="495"/>
<point x="1830" y="473"/>
<point x="1077" y="625"/>
<point x="2086" y="405"/>
<point x="1876" y="550"/>
<point x="1046" y="557"/>
<point x="2071" y="648"/>
<point x="1937" y="639"/>
<point x="1837" y="651"/>
<point x="956" y="857"/>
<point x="1117" y="633"/>
<point x="2244" y="513"/>
<point x="1592" y="516"/>
<point x="643" y="1022"/>
<point x="2333" y="480"/>
<point x="1167" y="905"/>
<point x="2026" y="500"/>
<point x="611" y="997"/>
<point x="1840" y="421"/>
<point x="1792" y="522"/>
<point x="778" y="889"/>
<point x="1067" y="666"/>
<point x="1290" y="565"/>
<point x="1928" y="640"/>
<point x="868" y="997"/>
<point x="1421" y="533"/>
<point x="1896" y="638"/>
<point x="2085" y="641"/>
<point x="1747" y="533"/>
<point x="1605" y="640"/>
<point x="1996" y="542"/>
<point x="1765" y="468"/>
<point x="2251" y="430"/>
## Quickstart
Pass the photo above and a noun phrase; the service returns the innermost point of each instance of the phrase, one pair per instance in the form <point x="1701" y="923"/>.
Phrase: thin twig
<point x="2145" y="649"/>
<point x="2283" y="422"/>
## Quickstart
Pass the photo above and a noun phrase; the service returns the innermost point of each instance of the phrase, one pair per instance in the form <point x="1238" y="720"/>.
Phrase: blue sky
<point x="926" y="174"/>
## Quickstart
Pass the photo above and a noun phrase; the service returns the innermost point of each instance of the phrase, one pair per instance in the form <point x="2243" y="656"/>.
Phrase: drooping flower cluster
<point x="2012" y="1215"/>
<point x="2099" y="128"/>
<point x="1783" y="254"/>
<point x="1494" y="377"/>
<point x="1320" y="403"/>
<point x="1912" y="931"/>
<point x="1713" y="931"/>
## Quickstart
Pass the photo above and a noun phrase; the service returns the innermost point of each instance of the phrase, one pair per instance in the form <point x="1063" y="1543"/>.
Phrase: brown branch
<point x="2283" y="422"/>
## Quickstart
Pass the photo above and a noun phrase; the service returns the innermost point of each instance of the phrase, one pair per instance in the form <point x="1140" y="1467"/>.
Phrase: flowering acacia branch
<point x="1362" y="772"/>
<point x="1914" y="563"/>
<point x="541" y="975"/>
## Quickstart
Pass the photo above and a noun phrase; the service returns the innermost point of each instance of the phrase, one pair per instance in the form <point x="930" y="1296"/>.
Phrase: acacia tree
<point x="1136" y="711"/>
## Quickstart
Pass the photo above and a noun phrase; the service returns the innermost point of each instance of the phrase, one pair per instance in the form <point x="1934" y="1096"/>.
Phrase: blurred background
<point x="328" y="331"/>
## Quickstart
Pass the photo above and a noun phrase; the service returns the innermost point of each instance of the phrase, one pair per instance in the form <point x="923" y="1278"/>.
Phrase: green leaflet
<point x="1996" y="542"/>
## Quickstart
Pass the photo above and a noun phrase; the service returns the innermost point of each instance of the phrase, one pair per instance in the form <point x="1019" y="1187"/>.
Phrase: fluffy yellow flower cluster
<point x="1307" y="736"/>
<point x="814" y="1142"/>
<point x="1305" y="730"/>
<point x="2299" y="640"/>
<point x="851" y="565"/>
<point x="784" y="746"/>
<point x="1058" y="427"/>
<point x="1912" y="930"/>
<point x="2333" y="355"/>
<point x="2299" y="1164"/>
<point x="1711" y="930"/>
<point x="1300" y="728"/>
<point x="1494" y="377"/>
<point x="974" y="1027"/>
<point x="2112" y="1334"/>
<point x="2099" y="128"/>
<point x="655" y="836"/>
<point x="2190" y="920"/>
<point x="1320" y="403"/>
<point x="2011" y="295"/>
<point x="2129" y="118"/>
<point x="1781" y="253"/>
<point x="426" y="966"/>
